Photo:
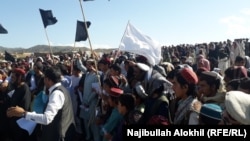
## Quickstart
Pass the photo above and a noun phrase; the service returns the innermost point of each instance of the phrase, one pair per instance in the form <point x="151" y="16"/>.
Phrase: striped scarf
<point x="184" y="106"/>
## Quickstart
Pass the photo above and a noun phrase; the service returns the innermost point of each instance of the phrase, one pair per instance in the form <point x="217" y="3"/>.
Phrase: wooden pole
<point x="92" y="115"/>
<point x="49" y="45"/>
<point x="120" y="42"/>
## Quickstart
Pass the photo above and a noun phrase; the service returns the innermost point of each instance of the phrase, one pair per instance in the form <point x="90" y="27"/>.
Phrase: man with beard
<point x="90" y="99"/>
<point x="20" y="96"/>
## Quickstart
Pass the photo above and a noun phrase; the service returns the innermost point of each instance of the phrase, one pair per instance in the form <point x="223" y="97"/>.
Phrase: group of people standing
<point x="92" y="99"/>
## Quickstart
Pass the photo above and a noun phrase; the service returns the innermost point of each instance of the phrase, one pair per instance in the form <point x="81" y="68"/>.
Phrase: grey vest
<point x="62" y="128"/>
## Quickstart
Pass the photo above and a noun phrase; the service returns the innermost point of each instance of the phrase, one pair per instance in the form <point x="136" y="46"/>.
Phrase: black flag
<point x="47" y="17"/>
<point x="9" y="57"/>
<point x="81" y="32"/>
<point x="3" y="30"/>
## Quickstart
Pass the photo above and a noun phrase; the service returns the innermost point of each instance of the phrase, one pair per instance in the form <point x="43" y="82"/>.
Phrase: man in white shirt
<point x="57" y="119"/>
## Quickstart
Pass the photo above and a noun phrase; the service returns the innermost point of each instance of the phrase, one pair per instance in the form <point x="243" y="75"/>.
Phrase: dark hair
<point x="110" y="82"/>
<point x="63" y="68"/>
<point x="200" y="70"/>
<point x="239" y="59"/>
<point x="91" y="62"/>
<point x="116" y="68"/>
<point x="235" y="72"/>
<point x="182" y="81"/>
<point x="53" y="73"/>
<point x="105" y="61"/>
<point x="76" y="68"/>
<point x="160" y="90"/>
<point x="229" y="72"/>
<point x="141" y="59"/>
<point x="210" y="80"/>
<point x="234" y="83"/>
<point x="172" y="73"/>
<point x="15" y="65"/>
<point x="127" y="100"/>
<point x="114" y="99"/>
<point x="39" y="65"/>
<point x="23" y="78"/>
<point x="245" y="83"/>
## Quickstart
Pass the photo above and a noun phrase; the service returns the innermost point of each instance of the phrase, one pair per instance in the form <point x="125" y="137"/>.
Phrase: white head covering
<point x="247" y="64"/>
<point x="237" y="104"/>
<point x="140" y="90"/>
<point x="181" y="66"/>
<point x="40" y="58"/>
<point x="56" y="57"/>
<point x="222" y="88"/>
<point x="143" y="67"/>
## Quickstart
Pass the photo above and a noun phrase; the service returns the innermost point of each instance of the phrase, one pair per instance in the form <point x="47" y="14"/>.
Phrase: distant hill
<point x="46" y="49"/>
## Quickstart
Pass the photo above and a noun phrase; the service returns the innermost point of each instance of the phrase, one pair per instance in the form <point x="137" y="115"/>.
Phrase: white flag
<point x="135" y="42"/>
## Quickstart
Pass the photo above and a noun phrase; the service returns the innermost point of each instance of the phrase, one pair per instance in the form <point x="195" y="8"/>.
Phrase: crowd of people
<point x="91" y="98"/>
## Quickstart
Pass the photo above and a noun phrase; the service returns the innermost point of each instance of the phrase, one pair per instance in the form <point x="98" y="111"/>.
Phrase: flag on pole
<point x="81" y="31"/>
<point x="3" y="30"/>
<point x="88" y="0"/>
<point x="9" y="57"/>
<point x="47" y="17"/>
<point x="134" y="41"/>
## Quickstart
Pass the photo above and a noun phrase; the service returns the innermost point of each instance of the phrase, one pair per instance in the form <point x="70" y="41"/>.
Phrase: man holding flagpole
<point x="134" y="41"/>
<point x="150" y="78"/>
<point x="48" y="19"/>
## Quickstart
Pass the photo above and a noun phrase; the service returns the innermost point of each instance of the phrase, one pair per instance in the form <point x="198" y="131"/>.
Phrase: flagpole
<point x="121" y="41"/>
<point x="86" y="27"/>
<point x="49" y="45"/>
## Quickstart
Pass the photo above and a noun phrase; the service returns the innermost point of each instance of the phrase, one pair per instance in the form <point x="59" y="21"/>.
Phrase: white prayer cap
<point x="181" y="66"/>
<point x="143" y="67"/>
<point x="3" y="61"/>
<point x="40" y="58"/>
<point x="56" y="57"/>
<point x="237" y="104"/>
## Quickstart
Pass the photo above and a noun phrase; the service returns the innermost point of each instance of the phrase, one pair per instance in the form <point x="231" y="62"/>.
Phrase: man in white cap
<point x="237" y="110"/>
<point x="150" y="78"/>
